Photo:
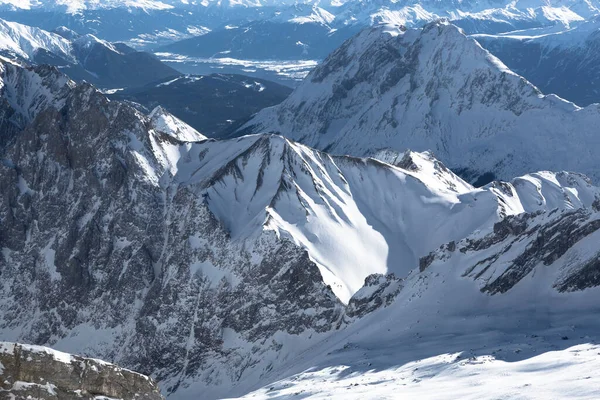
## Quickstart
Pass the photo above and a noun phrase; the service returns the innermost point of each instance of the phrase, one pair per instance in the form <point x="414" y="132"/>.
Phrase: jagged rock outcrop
<point x="379" y="291"/>
<point x="28" y="372"/>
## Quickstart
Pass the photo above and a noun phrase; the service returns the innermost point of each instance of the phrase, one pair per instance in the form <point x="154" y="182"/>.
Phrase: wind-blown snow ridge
<point x="167" y="123"/>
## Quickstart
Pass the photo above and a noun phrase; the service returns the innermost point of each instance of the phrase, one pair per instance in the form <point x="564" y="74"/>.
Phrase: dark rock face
<point x="379" y="291"/>
<point x="98" y="241"/>
<point x="519" y="245"/>
<point x="37" y="372"/>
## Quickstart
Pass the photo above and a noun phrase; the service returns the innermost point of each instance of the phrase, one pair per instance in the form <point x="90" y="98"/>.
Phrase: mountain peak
<point x="433" y="89"/>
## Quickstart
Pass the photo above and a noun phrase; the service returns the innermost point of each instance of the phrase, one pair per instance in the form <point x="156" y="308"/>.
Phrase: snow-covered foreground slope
<point x="507" y="313"/>
<point x="434" y="89"/>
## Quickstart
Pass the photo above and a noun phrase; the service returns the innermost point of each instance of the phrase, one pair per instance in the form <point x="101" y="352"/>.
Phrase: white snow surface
<point x="7" y="347"/>
<point x="434" y="89"/>
<point x="165" y="122"/>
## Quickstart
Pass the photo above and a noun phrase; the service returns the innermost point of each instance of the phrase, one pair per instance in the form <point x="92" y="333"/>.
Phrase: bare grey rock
<point x="28" y="372"/>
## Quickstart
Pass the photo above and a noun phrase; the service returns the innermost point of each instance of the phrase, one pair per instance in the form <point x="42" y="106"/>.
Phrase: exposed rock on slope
<point x="143" y="273"/>
<point x="28" y="372"/>
<point x="434" y="89"/>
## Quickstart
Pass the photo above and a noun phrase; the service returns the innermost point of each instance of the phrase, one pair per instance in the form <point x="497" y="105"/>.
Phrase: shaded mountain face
<point x="434" y="89"/>
<point x="562" y="62"/>
<point x="82" y="57"/>
<point x="214" y="105"/>
<point x="43" y="373"/>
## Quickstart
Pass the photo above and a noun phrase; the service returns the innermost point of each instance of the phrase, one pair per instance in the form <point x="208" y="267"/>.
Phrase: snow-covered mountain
<point x="82" y="57"/>
<point x="434" y="89"/>
<point x="150" y="24"/>
<point x="212" y="265"/>
<point x="473" y="16"/>
<point x="561" y="61"/>
<point x="25" y="41"/>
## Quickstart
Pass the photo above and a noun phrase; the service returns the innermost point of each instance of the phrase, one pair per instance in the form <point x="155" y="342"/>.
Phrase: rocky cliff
<point x="28" y="372"/>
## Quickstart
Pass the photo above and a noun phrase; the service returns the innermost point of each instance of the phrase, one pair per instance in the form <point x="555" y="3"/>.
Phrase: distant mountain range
<point x="151" y="21"/>
<point x="556" y="59"/>
<point x="82" y="57"/>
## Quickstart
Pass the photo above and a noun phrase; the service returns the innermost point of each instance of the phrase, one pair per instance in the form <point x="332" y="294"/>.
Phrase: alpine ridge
<point x="82" y="57"/>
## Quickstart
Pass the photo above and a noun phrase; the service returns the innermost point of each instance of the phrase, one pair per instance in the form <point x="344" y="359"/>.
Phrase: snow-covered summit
<point x="434" y="89"/>
<point x="166" y="123"/>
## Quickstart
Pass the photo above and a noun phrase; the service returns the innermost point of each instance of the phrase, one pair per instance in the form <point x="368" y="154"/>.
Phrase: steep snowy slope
<point x="562" y="62"/>
<point x="508" y="312"/>
<point x="434" y="89"/>
<point x="211" y="264"/>
<point x="24" y="41"/>
<point x="314" y="199"/>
